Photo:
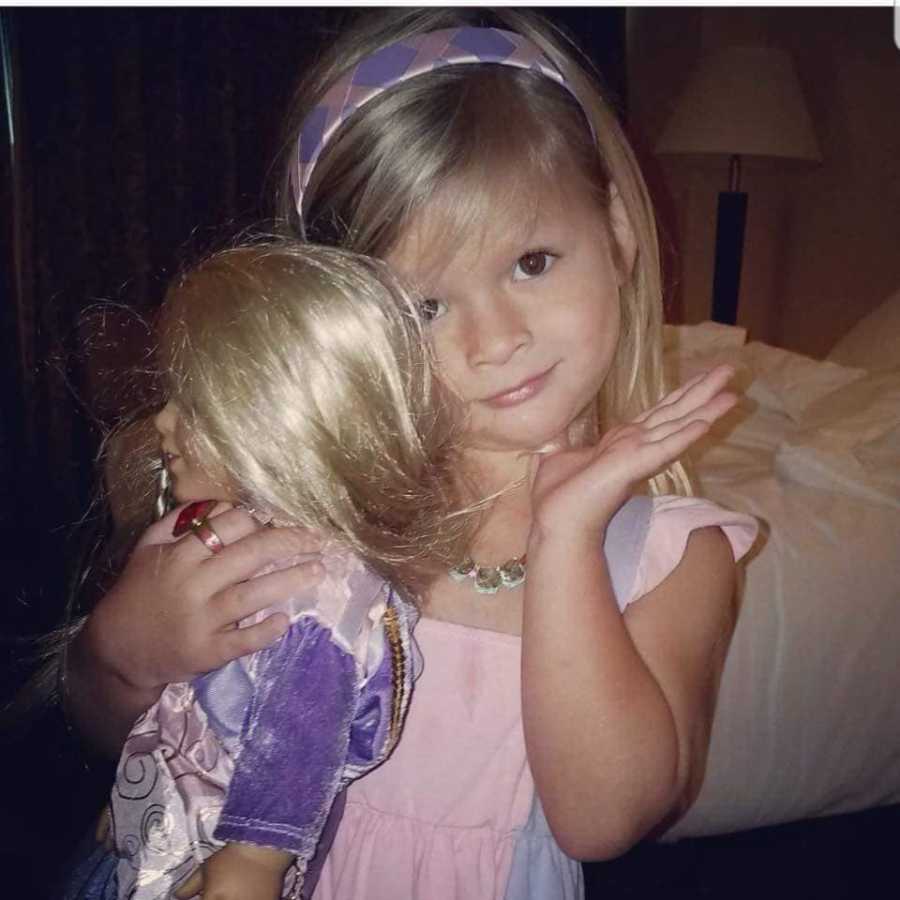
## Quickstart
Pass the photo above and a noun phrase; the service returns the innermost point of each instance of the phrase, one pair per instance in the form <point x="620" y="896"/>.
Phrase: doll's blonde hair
<point x="306" y="387"/>
<point x="454" y="135"/>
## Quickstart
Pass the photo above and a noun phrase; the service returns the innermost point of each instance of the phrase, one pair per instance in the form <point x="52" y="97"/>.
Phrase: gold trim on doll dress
<point x="398" y="673"/>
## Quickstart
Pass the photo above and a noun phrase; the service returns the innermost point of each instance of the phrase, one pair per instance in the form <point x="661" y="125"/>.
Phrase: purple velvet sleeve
<point x="294" y="742"/>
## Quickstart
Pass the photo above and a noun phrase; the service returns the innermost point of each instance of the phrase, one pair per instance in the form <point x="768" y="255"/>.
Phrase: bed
<point x="808" y="721"/>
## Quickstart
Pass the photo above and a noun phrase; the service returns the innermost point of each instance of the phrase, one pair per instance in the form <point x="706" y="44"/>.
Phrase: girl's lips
<point x="520" y="393"/>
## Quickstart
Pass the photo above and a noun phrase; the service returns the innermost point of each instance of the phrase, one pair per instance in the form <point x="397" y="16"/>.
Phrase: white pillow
<point x="874" y="342"/>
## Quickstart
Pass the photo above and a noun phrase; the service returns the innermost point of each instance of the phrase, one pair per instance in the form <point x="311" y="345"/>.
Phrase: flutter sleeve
<point x="672" y="519"/>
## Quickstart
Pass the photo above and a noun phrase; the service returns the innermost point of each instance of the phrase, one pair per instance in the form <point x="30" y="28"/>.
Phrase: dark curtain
<point x="142" y="137"/>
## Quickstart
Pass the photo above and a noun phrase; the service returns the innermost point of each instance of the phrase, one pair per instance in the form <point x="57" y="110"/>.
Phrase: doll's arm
<point x="294" y="742"/>
<point x="617" y="709"/>
<point x="172" y="615"/>
<point x="239" y="872"/>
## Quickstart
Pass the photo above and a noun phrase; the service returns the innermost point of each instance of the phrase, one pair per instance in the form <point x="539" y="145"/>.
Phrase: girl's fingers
<point x="600" y="477"/>
<point x="161" y="532"/>
<point x="235" y="522"/>
<point x="654" y="447"/>
<point x="673" y="437"/>
<point x="664" y="434"/>
<point x="709" y="412"/>
<point x="230" y="524"/>
<point x="668" y="443"/>
<point x="244" y="599"/>
<point x="250" y="554"/>
<point x="670" y="447"/>
<point x="671" y="397"/>
<point x="242" y="641"/>
<point x="697" y="393"/>
<point x="691" y="395"/>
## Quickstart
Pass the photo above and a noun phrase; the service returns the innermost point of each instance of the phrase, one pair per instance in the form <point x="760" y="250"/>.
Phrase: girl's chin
<point x="536" y="432"/>
<point x="525" y="442"/>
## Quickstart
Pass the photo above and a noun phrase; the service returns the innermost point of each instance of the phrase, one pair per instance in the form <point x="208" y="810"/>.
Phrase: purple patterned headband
<point x="398" y="62"/>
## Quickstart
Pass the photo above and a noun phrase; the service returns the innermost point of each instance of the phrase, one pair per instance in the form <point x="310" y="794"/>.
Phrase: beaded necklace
<point x="489" y="579"/>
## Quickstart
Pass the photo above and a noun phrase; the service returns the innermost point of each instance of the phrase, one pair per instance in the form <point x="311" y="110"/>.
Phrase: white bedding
<point x="808" y="722"/>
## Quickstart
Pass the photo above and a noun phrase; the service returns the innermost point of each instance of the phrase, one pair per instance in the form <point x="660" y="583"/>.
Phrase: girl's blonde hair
<point x="454" y="135"/>
<point x="306" y="388"/>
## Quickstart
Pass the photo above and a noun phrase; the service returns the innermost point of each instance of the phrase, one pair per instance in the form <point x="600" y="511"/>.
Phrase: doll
<point x="299" y="387"/>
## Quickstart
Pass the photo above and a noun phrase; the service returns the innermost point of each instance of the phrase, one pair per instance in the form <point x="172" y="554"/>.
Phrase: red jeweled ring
<point x="193" y="518"/>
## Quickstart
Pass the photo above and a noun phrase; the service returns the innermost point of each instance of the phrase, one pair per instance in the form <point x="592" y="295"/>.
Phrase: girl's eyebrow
<point x="539" y="237"/>
<point x="533" y="232"/>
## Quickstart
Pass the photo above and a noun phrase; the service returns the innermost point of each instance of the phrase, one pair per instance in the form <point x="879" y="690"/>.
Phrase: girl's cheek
<point x="449" y="348"/>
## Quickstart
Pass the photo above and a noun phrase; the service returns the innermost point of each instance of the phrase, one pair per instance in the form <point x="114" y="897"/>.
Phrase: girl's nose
<point x="497" y="330"/>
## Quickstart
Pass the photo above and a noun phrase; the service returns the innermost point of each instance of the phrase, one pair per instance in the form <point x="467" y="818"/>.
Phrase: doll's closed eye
<point x="431" y="308"/>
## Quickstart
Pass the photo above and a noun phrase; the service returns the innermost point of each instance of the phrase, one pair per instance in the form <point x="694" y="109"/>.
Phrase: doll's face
<point x="189" y="481"/>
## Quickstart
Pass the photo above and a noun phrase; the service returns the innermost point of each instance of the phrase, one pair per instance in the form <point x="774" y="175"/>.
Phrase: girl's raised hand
<point x="173" y="612"/>
<point x="580" y="490"/>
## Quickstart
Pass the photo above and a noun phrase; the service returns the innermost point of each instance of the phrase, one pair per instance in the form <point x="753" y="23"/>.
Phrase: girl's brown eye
<point x="533" y="264"/>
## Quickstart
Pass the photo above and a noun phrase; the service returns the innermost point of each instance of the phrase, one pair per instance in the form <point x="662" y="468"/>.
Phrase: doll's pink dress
<point x="454" y="813"/>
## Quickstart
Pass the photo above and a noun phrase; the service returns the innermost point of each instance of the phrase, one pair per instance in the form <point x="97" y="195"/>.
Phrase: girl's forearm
<point x="98" y="701"/>
<point x="601" y="737"/>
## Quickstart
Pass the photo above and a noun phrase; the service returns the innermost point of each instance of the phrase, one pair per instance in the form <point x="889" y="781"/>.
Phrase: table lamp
<point x="740" y="102"/>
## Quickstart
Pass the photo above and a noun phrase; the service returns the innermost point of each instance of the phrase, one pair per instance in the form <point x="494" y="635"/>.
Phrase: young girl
<point x="300" y="386"/>
<point x="573" y="658"/>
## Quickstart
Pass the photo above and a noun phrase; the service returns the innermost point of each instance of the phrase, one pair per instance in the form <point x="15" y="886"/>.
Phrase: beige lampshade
<point x="746" y="101"/>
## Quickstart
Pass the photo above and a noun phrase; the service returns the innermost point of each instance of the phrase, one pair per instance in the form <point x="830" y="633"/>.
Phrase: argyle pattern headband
<point x="399" y="62"/>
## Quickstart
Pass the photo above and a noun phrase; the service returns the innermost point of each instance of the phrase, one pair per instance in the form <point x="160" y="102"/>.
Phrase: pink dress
<point x="453" y="813"/>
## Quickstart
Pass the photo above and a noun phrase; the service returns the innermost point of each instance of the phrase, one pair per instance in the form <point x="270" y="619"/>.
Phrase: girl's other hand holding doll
<point x="170" y="617"/>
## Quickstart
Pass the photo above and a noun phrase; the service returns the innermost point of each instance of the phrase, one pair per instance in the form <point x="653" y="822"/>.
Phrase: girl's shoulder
<point x="648" y="537"/>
